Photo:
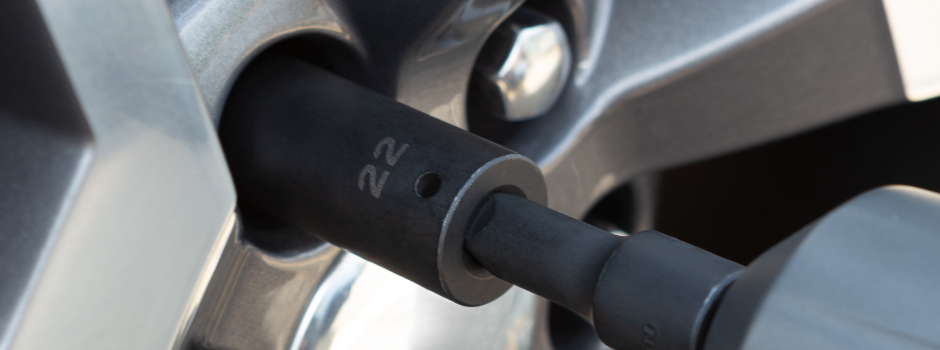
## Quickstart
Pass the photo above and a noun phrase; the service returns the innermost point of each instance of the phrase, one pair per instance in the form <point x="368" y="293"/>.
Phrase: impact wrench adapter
<point x="448" y="210"/>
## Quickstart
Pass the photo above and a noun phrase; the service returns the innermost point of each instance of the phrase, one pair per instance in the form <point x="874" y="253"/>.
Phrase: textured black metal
<point x="542" y="251"/>
<point x="315" y="151"/>
<point x="659" y="292"/>
<point x="645" y="291"/>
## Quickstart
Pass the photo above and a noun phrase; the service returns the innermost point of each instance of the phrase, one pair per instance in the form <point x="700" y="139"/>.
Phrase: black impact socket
<point x="645" y="291"/>
<point x="366" y="173"/>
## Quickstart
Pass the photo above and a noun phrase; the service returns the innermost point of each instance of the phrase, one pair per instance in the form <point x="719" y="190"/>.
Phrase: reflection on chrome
<point x="363" y="306"/>
<point x="531" y="75"/>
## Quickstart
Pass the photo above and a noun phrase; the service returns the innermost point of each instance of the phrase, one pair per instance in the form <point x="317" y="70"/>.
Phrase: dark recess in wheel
<point x="739" y="205"/>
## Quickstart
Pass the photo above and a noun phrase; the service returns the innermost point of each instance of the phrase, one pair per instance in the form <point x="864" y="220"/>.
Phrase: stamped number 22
<point x="391" y="157"/>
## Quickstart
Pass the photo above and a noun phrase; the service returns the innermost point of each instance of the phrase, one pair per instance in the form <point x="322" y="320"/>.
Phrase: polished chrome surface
<point x="384" y="310"/>
<point x="256" y="299"/>
<point x="148" y="221"/>
<point x="532" y="67"/>
<point x="317" y="323"/>
<point x="328" y="299"/>
<point x="435" y="68"/>
<point x="915" y="29"/>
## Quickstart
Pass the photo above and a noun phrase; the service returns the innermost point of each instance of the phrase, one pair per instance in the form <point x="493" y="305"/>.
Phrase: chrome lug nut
<point x="523" y="67"/>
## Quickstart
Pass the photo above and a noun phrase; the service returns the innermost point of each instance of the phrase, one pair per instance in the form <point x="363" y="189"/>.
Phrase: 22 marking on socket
<point x="391" y="157"/>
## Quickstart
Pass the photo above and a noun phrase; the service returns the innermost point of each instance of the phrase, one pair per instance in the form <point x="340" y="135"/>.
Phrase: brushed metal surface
<point x="145" y="227"/>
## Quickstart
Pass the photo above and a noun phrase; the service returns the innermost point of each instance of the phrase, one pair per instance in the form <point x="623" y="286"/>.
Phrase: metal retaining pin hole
<point x="427" y="185"/>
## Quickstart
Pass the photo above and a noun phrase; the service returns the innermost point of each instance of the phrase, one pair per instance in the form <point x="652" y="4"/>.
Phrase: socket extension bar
<point x="464" y="217"/>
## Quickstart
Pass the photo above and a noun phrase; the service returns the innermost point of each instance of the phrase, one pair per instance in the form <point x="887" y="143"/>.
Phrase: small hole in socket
<point x="428" y="185"/>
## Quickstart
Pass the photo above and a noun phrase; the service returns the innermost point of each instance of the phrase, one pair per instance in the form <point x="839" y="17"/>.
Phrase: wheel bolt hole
<point x="428" y="185"/>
